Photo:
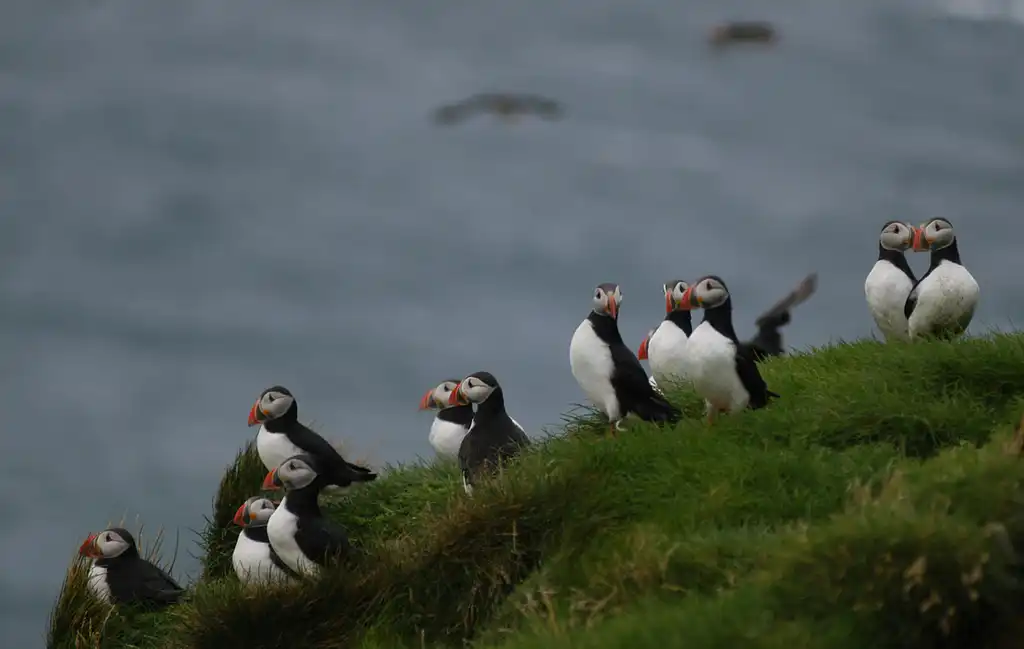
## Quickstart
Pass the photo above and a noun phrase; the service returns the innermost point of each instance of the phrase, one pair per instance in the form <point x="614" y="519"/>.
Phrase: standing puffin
<point x="298" y="532"/>
<point x="281" y="436"/>
<point x="254" y="560"/>
<point x="889" y="283"/>
<point x="664" y="349"/>
<point x="451" y="422"/>
<point x="118" y="574"/>
<point x="610" y="375"/>
<point x="493" y="436"/>
<point x="943" y="301"/>
<point x="721" y="368"/>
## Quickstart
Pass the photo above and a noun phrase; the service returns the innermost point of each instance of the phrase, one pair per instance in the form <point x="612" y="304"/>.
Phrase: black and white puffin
<point x="281" y="436"/>
<point x="889" y="283"/>
<point x="493" y="437"/>
<point x="943" y="301"/>
<point x="118" y="575"/>
<point x="610" y="375"/>
<point x="299" y="533"/>
<point x="664" y="349"/>
<point x="254" y="560"/>
<point x="721" y="369"/>
<point x="451" y="423"/>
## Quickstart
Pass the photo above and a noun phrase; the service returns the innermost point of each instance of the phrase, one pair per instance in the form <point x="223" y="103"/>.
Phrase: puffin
<point x="253" y="559"/>
<point x="665" y="346"/>
<point x="281" y="436"/>
<point x="747" y="31"/>
<point x="767" y="342"/>
<point x="889" y="283"/>
<point x="118" y="575"/>
<point x="722" y="369"/>
<point x="451" y="422"/>
<point x="493" y="437"/>
<point x="610" y="375"/>
<point x="509" y="107"/>
<point x="299" y="533"/>
<point x="943" y="301"/>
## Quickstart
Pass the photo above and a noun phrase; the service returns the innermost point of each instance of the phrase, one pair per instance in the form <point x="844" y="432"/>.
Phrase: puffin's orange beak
<point x="453" y="398"/>
<point x="689" y="301"/>
<point x="921" y="242"/>
<point x="613" y="308"/>
<point x="271" y="483"/>
<point x="88" y="547"/>
<point x="427" y="400"/>
<point x="255" y="414"/>
<point x="238" y="519"/>
<point x="642" y="352"/>
<point x="668" y="302"/>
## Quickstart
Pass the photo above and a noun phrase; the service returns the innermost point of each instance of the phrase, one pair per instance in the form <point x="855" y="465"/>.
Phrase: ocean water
<point x="201" y="198"/>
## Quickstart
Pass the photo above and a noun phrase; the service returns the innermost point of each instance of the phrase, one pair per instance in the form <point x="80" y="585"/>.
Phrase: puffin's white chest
<point x="252" y="562"/>
<point x="446" y="436"/>
<point x="711" y="365"/>
<point x="591" y="363"/>
<point x="666" y="353"/>
<point x="886" y="289"/>
<point x="281" y="529"/>
<point x="946" y="298"/>
<point x="97" y="582"/>
<point x="274" y="448"/>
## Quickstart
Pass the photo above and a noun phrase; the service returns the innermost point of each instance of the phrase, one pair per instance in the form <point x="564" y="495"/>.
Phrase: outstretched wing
<point x="778" y="314"/>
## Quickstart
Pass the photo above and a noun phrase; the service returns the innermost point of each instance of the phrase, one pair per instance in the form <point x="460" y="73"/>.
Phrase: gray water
<point x="202" y="198"/>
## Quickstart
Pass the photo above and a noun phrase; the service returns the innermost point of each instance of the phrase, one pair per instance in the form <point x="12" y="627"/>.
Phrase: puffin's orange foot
<point x="611" y="430"/>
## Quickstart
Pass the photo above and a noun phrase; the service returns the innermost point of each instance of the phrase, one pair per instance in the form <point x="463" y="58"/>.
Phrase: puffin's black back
<point x="494" y="437"/>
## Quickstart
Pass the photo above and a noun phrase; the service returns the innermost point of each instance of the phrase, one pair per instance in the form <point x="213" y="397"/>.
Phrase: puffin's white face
<point x="896" y="235"/>
<point x="934" y="235"/>
<point x="294" y="473"/>
<point x="607" y="299"/>
<point x="674" y="294"/>
<point x="254" y="512"/>
<point x="272" y="404"/>
<point x="471" y="389"/>
<point x="706" y="293"/>
<point x="439" y="396"/>
<point x="105" y="545"/>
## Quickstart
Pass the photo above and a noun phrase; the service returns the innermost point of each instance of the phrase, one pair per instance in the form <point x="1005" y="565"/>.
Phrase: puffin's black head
<point x="896" y="235"/>
<point x="254" y="512"/>
<point x="297" y="472"/>
<point x="109" y="544"/>
<point x="708" y="292"/>
<point x="274" y="403"/>
<point x="934" y="235"/>
<point x="674" y="289"/>
<point x="437" y="397"/>
<point x="475" y="388"/>
<point x="607" y="299"/>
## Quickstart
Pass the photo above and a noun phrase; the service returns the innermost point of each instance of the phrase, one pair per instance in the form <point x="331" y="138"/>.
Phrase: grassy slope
<point x="866" y="508"/>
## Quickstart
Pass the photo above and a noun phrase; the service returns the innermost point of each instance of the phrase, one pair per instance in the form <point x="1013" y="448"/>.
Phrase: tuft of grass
<point x="876" y="504"/>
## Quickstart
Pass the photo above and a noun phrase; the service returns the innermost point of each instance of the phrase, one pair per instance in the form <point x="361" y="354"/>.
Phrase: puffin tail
<point x="772" y="395"/>
<point x="658" y="410"/>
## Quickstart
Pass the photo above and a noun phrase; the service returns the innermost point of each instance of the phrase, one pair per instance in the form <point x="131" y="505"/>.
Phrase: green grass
<point x="874" y="505"/>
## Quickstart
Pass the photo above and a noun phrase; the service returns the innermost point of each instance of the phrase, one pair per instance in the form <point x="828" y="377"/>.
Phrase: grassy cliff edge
<point x="877" y="504"/>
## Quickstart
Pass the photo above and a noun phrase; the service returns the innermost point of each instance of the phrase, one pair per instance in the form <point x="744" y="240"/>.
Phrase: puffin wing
<point x="321" y="541"/>
<point x="750" y="377"/>
<point x="155" y="585"/>
<point x="275" y="559"/>
<point x="778" y="314"/>
<point x="631" y="380"/>
<point x="315" y="445"/>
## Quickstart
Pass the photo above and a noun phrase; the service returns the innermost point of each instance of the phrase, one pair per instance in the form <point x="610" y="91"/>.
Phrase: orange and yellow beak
<point x="642" y="352"/>
<point x="456" y="398"/>
<point x="239" y="518"/>
<point x="271" y="482"/>
<point x="921" y="242"/>
<point x="427" y="402"/>
<point x="88" y="548"/>
<point x="256" y="415"/>
<point x="669" y="302"/>
<point x="613" y="308"/>
<point x="689" y="301"/>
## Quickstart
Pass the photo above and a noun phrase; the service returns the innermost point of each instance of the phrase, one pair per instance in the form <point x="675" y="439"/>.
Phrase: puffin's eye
<point x="707" y="286"/>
